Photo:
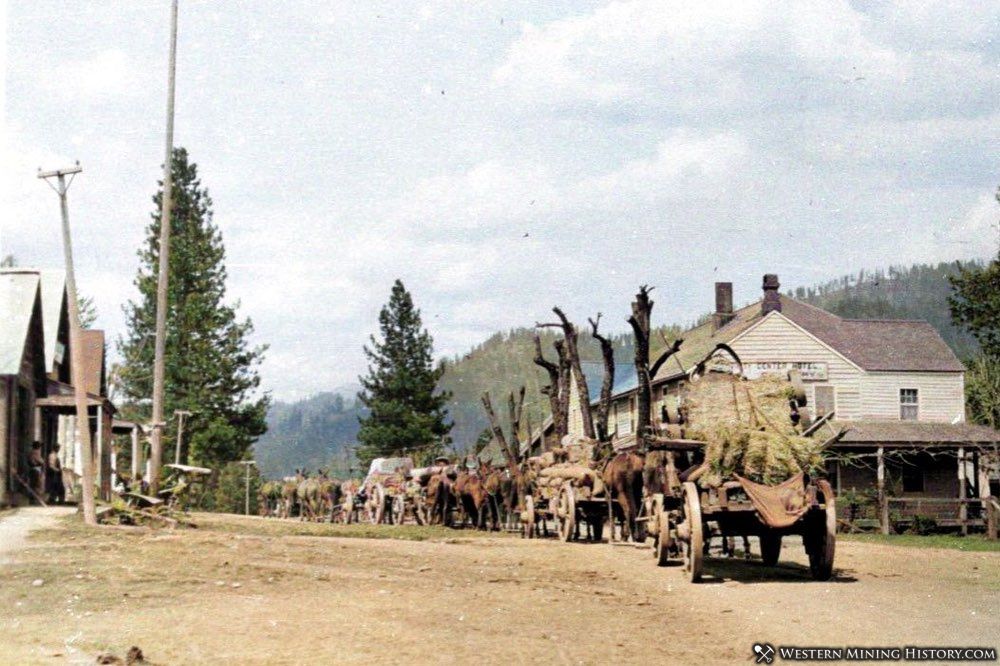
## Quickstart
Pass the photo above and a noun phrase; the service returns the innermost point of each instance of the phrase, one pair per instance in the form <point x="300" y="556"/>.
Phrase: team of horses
<point x="483" y="496"/>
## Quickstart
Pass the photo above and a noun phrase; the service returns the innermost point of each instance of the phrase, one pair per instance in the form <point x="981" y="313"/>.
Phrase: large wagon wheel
<point x="378" y="503"/>
<point x="566" y="512"/>
<point x="664" y="540"/>
<point x="694" y="545"/>
<point x="770" y="548"/>
<point x="398" y="509"/>
<point x="528" y="517"/>
<point x="821" y="538"/>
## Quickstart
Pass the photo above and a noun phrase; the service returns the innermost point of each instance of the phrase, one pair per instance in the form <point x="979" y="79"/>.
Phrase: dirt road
<point x="238" y="597"/>
<point x="17" y="525"/>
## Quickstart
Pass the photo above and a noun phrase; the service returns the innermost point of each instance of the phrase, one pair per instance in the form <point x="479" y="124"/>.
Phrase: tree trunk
<point x="604" y="406"/>
<point x="642" y="306"/>
<point x="498" y="431"/>
<point x="565" y="372"/>
<point x="573" y="355"/>
<point x="554" y="390"/>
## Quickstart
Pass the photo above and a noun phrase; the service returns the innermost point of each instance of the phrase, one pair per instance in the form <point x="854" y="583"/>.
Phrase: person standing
<point x="36" y="469"/>
<point x="56" y="487"/>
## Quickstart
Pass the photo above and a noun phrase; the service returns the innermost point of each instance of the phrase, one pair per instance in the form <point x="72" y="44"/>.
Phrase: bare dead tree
<point x="642" y="306"/>
<point x="514" y="409"/>
<point x="604" y="405"/>
<point x="565" y="373"/>
<point x="671" y="349"/>
<point x="571" y="336"/>
<point x="497" y="431"/>
<point x="554" y="390"/>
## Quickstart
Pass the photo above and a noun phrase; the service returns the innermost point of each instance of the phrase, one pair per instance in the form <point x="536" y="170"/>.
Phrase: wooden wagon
<point x="384" y="490"/>
<point x="692" y="508"/>
<point x="569" y="493"/>
<point x="683" y="522"/>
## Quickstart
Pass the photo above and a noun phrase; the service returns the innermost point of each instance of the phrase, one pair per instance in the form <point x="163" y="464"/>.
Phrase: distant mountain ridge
<point x="321" y="430"/>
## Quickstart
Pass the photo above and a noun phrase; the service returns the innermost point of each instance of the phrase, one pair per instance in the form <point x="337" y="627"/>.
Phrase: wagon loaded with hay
<point x="563" y="486"/>
<point x="760" y="474"/>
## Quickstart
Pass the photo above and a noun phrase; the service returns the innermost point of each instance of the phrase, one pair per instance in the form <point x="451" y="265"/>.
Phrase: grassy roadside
<point x="252" y="525"/>
<point x="976" y="543"/>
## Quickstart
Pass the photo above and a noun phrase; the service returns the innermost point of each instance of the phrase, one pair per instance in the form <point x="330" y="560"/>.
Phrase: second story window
<point x="908" y="404"/>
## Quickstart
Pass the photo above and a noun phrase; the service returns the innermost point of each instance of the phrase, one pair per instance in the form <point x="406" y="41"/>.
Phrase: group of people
<point x="46" y="474"/>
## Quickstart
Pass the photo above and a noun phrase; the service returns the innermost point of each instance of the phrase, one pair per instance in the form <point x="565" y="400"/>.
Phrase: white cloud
<point x="573" y="156"/>
<point x="103" y="75"/>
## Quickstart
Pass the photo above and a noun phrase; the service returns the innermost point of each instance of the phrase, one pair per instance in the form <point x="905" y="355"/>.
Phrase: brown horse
<point x="471" y="491"/>
<point x="623" y="477"/>
<point x="493" y="482"/>
<point x="289" y="488"/>
<point x="440" y="499"/>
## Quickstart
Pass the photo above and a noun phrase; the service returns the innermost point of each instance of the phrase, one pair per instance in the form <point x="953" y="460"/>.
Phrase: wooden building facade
<point x="37" y="403"/>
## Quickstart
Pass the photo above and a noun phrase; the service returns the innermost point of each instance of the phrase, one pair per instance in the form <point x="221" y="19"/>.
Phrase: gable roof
<point x="593" y="372"/>
<point x="892" y="345"/>
<point x="53" y="306"/>
<point x="702" y="339"/>
<point x="18" y="296"/>
<point x="53" y="286"/>
<point x="887" y="345"/>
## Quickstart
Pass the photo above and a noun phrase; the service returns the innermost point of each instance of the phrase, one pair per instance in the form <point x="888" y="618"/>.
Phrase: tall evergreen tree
<point x="406" y="414"/>
<point x="975" y="303"/>
<point x="211" y="368"/>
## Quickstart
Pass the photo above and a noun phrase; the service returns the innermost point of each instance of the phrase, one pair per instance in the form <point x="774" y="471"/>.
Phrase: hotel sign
<point x="810" y="371"/>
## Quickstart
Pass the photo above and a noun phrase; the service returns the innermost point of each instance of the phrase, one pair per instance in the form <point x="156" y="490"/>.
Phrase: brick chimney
<point x="772" y="297"/>
<point x="723" y="304"/>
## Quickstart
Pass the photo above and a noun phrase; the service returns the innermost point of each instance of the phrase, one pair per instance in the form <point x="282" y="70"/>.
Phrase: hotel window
<point x="623" y="419"/>
<point x="825" y="400"/>
<point x="908" y="404"/>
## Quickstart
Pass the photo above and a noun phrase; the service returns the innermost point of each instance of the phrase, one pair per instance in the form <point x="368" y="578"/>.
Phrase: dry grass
<point x="279" y="528"/>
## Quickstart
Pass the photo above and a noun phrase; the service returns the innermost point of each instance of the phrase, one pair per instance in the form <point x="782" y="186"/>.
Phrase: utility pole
<point x="159" y="371"/>
<point x="76" y="346"/>
<point x="247" y="464"/>
<point x="180" y="414"/>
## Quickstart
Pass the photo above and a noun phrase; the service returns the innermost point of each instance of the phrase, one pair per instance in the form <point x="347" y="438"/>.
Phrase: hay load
<point x="719" y="399"/>
<point x="748" y="431"/>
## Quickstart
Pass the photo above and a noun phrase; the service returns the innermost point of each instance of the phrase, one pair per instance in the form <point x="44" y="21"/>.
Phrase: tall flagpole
<point x="159" y="371"/>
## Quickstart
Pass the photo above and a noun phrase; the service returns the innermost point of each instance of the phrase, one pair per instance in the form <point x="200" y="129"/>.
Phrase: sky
<point x="502" y="158"/>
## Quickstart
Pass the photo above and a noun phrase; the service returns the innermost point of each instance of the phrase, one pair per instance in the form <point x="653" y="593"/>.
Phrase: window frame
<point x="905" y="404"/>
<point x="815" y="401"/>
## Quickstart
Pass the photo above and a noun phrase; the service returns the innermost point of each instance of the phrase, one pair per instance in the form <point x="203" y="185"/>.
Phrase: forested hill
<point x="316" y="432"/>
<point x="321" y="430"/>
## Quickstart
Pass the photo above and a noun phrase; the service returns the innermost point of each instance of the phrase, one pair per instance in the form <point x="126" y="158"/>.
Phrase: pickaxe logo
<point x="764" y="652"/>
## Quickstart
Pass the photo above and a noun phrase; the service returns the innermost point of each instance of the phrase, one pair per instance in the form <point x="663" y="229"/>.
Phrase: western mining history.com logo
<point x="765" y="653"/>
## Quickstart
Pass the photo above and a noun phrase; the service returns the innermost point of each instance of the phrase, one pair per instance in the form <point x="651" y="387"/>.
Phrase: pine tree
<point x="406" y="414"/>
<point x="975" y="303"/>
<point x="211" y="369"/>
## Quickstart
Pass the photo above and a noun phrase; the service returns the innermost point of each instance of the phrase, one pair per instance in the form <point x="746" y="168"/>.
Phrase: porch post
<point x="136" y="466"/>
<point x="883" y="501"/>
<point x="963" y="510"/>
<point x="99" y="458"/>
